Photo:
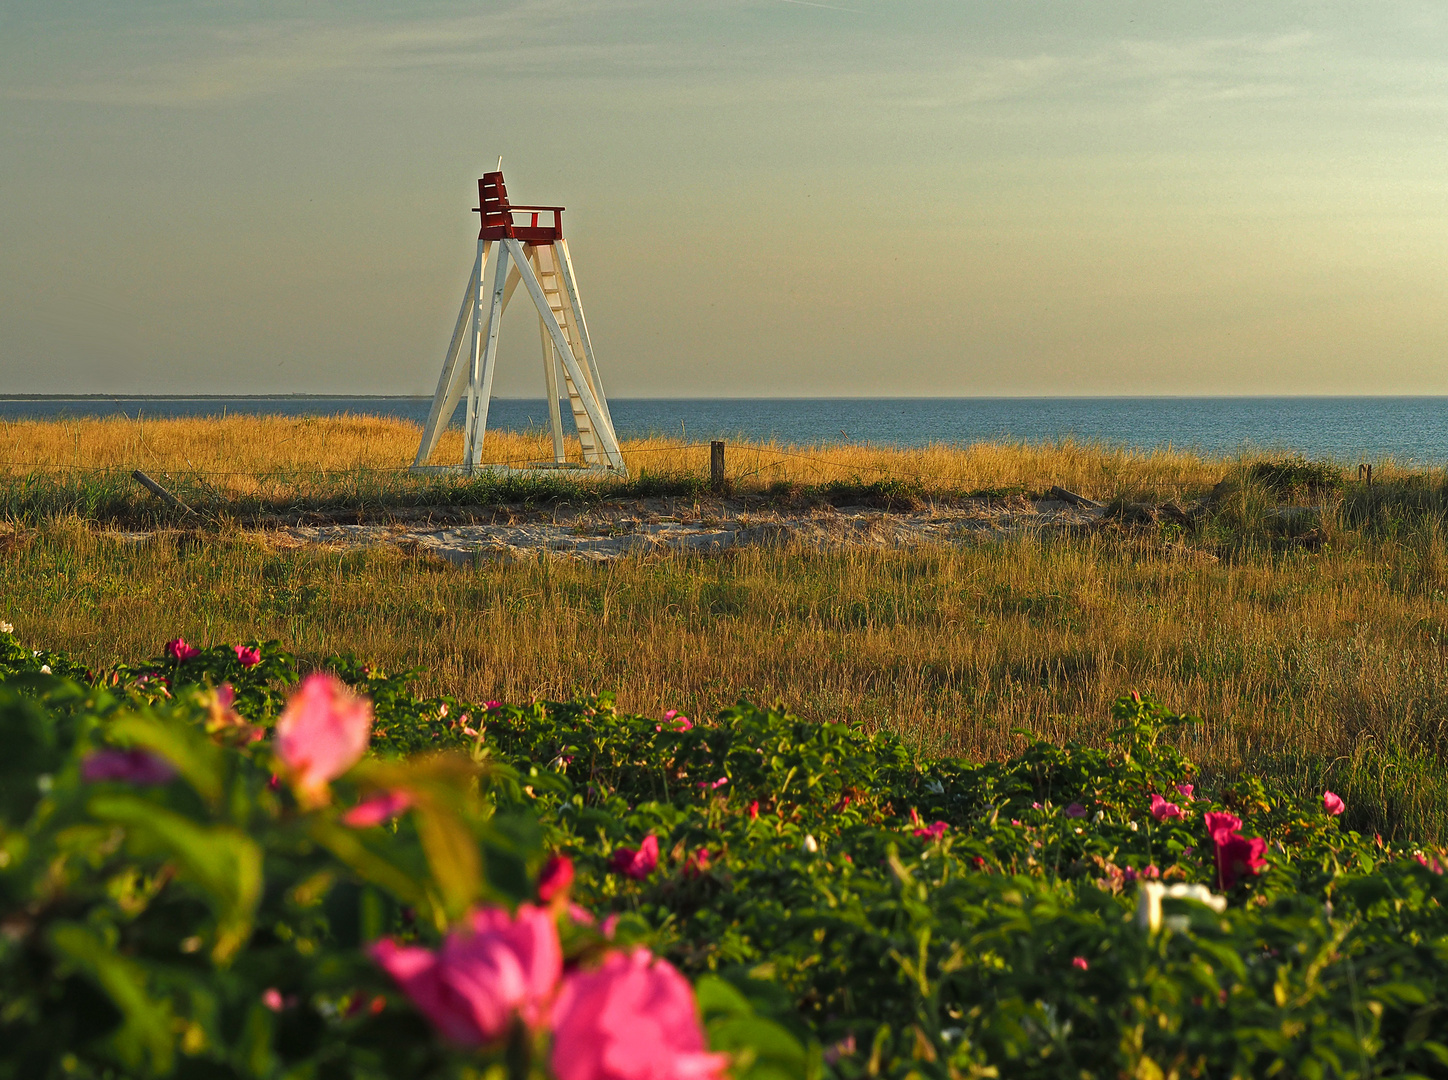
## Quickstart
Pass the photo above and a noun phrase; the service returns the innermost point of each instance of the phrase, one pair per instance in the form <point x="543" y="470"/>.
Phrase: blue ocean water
<point x="1407" y="429"/>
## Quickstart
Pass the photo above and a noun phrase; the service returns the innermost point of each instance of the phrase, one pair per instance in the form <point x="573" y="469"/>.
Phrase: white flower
<point x="1131" y="825"/>
<point x="935" y="787"/>
<point x="811" y="844"/>
<point x="6" y="628"/>
<point x="1151" y="894"/>
<point x="45" y="669"/>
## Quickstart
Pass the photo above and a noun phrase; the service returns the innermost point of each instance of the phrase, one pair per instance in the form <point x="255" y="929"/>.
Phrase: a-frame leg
<point x="450" y="382"/>
<point x="456" y="375"/>
<point x="485" y="349"/>
<point x="570" y="363"/>
<point x="463" y="380"/>
<point x="484" y="249"/>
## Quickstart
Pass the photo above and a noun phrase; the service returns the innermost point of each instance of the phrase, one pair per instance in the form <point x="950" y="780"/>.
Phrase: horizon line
<point x="782" y="397"/>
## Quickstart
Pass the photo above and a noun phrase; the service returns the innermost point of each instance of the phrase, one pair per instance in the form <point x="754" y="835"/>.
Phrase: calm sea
<point x="1409" y="429"/>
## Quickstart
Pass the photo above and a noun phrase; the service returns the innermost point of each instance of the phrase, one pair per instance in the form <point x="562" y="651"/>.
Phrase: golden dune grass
<point x="231" y="451"/>
<point x="1322" y="666"/>
<point x="1318" y="663"/>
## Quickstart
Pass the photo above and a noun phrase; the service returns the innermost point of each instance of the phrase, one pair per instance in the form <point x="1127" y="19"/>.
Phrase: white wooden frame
<point x="500" y="267"/>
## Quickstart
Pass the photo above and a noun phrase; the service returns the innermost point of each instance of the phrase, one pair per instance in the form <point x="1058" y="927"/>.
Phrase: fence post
<point x="716" y="465"/>
<point x="161" y="493"/>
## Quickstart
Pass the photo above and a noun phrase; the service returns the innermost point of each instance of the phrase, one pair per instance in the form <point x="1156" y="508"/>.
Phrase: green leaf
<point x="195" y="757"/>
<point x="28" y="734"/>
<point x="718" y="998"/>
<point x="761" y="1049"/>
<point x="441" y="787"/>
<point x="1436" y="1049"/>
<point x="452" y="855"/>
<point x="1399" y="993"/>
<point x="146" y="1031"/>
<point x="348" y="846"/>
<point x="224" y="862"/>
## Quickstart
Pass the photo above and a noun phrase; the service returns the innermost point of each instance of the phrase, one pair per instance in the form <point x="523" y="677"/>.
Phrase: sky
<point x="765" y="197"/>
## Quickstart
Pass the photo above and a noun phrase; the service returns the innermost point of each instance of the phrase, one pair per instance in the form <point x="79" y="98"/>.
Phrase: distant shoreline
<point x="215" y="397"/>
<point x="665" y="398"/>
<point x="1351" y="430"/>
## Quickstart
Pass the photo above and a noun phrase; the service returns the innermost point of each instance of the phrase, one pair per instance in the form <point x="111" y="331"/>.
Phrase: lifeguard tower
<point x="515" y="246"/>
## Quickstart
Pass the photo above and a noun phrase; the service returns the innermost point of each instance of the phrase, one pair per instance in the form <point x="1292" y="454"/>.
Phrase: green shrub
<point x="848" y="907"/>
<point x="1295" y="475"/>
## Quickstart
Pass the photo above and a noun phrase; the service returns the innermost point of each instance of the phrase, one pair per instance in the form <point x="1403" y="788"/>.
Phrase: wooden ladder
<point x="545" y="264"/>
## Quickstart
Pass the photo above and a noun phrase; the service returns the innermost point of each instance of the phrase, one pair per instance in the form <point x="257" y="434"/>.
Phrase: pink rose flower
<point x="1186" y="791"/>
<point x="715" y="786"/>
<point x="377" y="810"/>
<point x="1079" y="962"/>
<point x="557" y="875"/>
<point x="1238" y="856"/>
<point x="1333" y="804"/>
<point x="488" y="971"/>
<point x="1163" y="810"/>
<point x="271" y="997"/>
<point x="1219" y="822"/>
<point x="581" y="915"/>
<point x="321" y="734"/>
<point x="636" y="864"/>
<point x="842" y="1049"/>
<point x="248" y="655"/>
<point x="633" y="1018"/>
<point x="178" y="650"/>
<point x="932" y="832"/>
<point x="139" y="767"/>
<point x="491" y="705"/>
<point x="696" y="863"/>
<point x="679" y="723"/>
<point x="1075" y="810"/>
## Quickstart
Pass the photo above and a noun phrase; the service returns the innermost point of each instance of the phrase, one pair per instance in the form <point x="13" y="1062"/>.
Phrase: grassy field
<point x="240" y="466"/>
<point x="1312" y="645"/>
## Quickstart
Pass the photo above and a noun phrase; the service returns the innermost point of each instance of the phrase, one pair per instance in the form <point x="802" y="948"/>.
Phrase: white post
<point x="570" y="363"/>
<point x="486" y="347"/>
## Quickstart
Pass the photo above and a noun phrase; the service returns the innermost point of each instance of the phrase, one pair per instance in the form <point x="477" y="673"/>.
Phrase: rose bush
<point x="560" y="889"/>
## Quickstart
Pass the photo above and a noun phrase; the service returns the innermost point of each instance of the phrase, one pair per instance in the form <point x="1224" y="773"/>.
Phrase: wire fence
<point x="281" y="473"/>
